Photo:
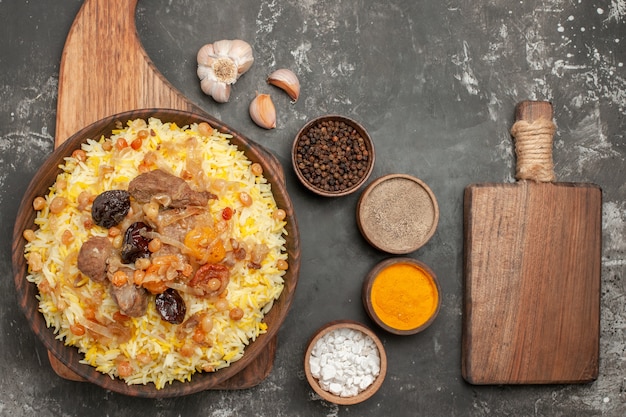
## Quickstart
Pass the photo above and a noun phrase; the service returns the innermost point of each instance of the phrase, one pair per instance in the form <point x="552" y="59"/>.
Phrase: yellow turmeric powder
<point x="404" y="296"/>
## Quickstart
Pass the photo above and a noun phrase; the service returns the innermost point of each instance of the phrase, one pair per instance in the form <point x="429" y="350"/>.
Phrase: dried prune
<point x="171" y="306"/>
<point x="135" y="243"/>
<point x="110" y="207"/>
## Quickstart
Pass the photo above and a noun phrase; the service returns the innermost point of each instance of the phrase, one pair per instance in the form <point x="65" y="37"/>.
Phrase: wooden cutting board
<point x="532" y="263"/>
<point x="105" y="71"/>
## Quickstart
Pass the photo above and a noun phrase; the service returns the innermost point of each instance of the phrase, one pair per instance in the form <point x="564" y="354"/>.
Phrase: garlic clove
<point x="263" y="112"/>
<point x="222" y="47"/>
<point x="204" y="71"/>
<point x="218" y="90"/>
<point x="205" y="55"/>
<point x="286" y="80"/>
<point x="241" y="51"/>
<point x="221" y="92"/>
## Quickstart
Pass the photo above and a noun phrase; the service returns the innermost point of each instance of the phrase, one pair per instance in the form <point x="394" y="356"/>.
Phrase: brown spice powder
<point x="397" y="215"/>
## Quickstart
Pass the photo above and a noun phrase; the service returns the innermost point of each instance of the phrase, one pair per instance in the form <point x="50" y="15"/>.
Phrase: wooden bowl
<point x="426" y="296"/>
<point x="363" y="395"/>
<point x="397" y="213"/>
<point x="69" y="356"/>
<point x="320" y="157"/>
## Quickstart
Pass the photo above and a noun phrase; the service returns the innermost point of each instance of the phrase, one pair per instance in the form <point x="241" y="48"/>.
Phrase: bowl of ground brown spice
<point x="333" y="155"/>
<point x="397" y="213"/>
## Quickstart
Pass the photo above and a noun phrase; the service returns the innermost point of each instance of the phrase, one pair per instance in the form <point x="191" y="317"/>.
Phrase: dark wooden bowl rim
<point x="69" y="356"/>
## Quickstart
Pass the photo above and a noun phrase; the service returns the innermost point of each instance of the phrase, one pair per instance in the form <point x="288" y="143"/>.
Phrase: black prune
<point x="135" y="243"/>
<point x="171" y="306"/>
<point x="110" y="207"/>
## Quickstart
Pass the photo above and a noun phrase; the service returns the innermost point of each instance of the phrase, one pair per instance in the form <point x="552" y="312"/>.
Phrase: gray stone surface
<point x="435" y="83"/>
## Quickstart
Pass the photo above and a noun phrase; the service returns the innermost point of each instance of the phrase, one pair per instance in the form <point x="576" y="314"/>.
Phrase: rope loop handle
<point x="533" y="149"/>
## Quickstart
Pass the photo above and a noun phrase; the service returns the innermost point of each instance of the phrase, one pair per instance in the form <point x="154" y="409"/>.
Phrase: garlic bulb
<point x="220" y="64"/>
<point x="287" y="81"/>
<point x="263" y="112"/>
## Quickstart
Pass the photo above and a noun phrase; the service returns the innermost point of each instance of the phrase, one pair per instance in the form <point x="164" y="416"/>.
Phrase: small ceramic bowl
<point x="319" y="336"/>
<point x="402" y="295"/>
<point x="333" y="155"/>
<point x="397" y="213"/>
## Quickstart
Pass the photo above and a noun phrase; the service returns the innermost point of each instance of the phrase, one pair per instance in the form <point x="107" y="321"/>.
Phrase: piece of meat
<point x="93" y="257"/>
<point x="171" y="191"/>
<point x="132" y="300"/>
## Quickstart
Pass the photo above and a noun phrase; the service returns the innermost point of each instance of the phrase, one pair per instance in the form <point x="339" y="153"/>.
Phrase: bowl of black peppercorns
<point x="333" y="155"/>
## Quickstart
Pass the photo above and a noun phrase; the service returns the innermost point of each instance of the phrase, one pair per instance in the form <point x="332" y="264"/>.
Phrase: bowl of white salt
<point x="345" y="362"/>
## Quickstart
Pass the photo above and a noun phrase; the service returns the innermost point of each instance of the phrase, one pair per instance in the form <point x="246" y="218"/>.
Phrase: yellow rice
<point x="153" y="349"/>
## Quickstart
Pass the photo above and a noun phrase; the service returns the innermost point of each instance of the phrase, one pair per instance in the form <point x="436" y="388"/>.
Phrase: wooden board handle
<point x="105" y="70"/>
<point x="533" y="132"/>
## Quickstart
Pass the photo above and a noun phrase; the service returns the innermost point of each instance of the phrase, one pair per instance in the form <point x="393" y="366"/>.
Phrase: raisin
<point x="135" y="243"/>
<point x="110" y="207"/>
<point x="227" y="213"/>
<point x="171" y="306"/>
<point x="205" y="274"/>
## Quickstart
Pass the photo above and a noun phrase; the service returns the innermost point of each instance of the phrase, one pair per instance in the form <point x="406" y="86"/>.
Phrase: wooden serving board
<point x="105" y="71"/>
<point x="532" y="259"/>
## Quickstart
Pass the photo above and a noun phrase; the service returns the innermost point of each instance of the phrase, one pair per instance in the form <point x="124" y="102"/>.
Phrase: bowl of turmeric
<point x="401" y="295"/>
